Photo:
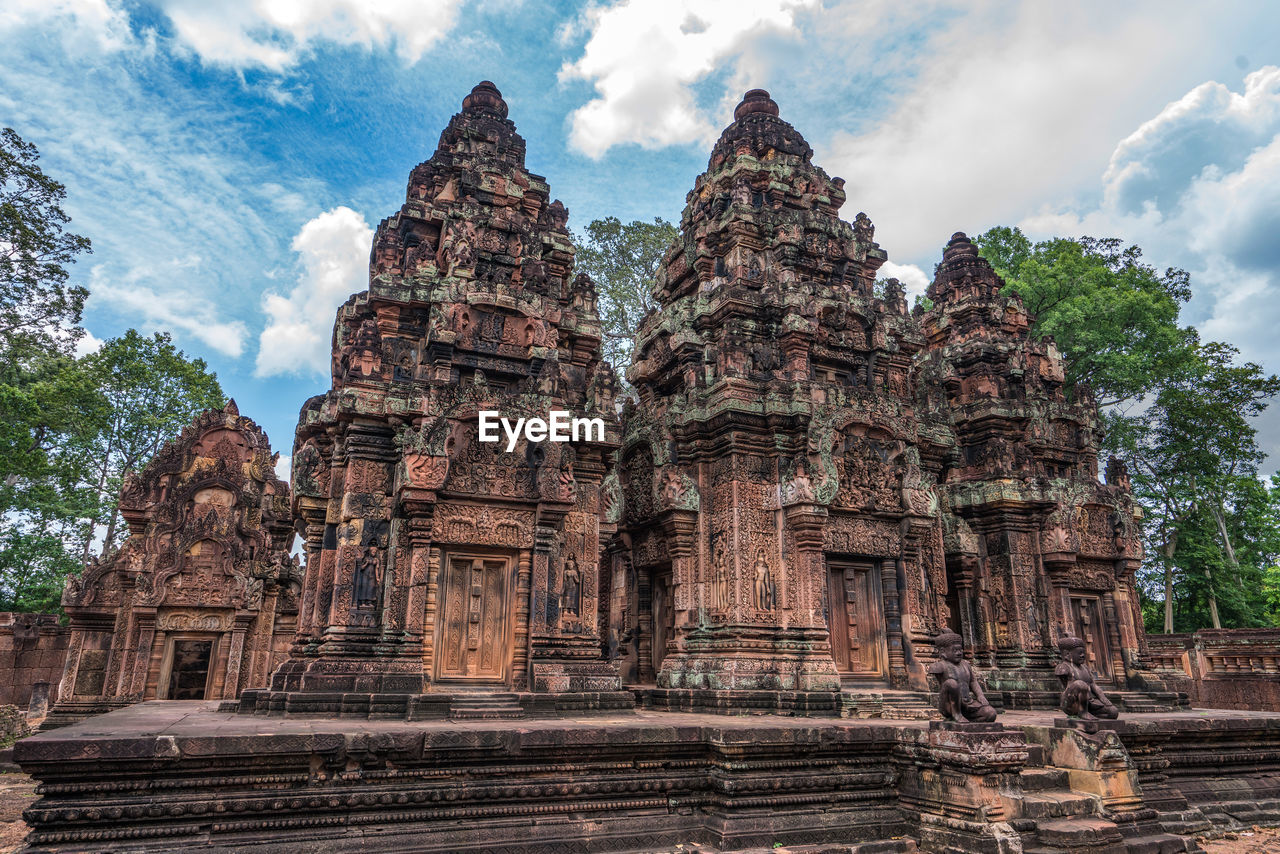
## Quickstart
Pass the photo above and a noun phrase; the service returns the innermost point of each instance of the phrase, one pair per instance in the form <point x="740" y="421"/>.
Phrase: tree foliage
<point x="39" y="310"/>
<point x="70" y="428"/>
<point x="1114" y="318"/>
<point x="152" y="391"/>
<point x="623" y="260"/>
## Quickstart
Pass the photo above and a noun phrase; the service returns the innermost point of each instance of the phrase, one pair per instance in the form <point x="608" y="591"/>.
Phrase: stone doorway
<point x="189" y="664"/>
<point x="472" y="640"/>
<point x="1088" y="625"/>
<point x="855" y="619"/>
<point x="656" y="620"/>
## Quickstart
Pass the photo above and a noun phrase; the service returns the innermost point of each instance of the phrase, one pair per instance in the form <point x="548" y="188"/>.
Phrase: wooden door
<point x="662" y="617"/>
<point x="472" y="637"/>
<point x="855" y="619"/>
<point x="1088" y="625"/>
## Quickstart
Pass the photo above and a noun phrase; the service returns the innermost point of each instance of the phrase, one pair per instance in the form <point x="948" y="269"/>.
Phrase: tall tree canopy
<point x="623" y="260"/>
<point x="39" y="310"/>
<point x="1112" y="316"/>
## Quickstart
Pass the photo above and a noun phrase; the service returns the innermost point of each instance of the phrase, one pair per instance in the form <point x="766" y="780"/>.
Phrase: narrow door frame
<point x="166" y="662"/>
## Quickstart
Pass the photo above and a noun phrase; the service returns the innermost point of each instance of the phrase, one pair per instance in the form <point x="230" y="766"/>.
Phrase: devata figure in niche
<point x="960" y="696"/>
<point x="1081" y="696"/>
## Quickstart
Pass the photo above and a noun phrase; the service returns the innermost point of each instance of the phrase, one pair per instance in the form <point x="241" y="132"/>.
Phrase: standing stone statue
<point x="960" y="696"/>
<point x="1081" y="696"/>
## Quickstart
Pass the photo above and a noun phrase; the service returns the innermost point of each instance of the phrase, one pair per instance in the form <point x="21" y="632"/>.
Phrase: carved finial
<point x="231" y="408"/>
<point x="485" y="96"/>
<point x="755" y="101"/>
<point x="959" y="246"/>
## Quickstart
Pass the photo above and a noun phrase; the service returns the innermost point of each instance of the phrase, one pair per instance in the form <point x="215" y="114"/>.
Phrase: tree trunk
<point x="1219" y="517"/>
<point x="1213" y="599"/>
<point x="1170" y="545"/>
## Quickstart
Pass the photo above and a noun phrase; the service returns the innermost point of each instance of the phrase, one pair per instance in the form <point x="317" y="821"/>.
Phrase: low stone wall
<point x="1224" y="668"/>
<point x="33" y="649"/>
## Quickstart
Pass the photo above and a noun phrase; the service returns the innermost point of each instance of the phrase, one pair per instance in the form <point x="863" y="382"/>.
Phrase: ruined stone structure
<point x="815" y="482"/>
<point x="33" y="651"/>
<point x="201" y="601"/>
<point x="439" y="563"/>
<point x="813" y="486"/>
<point x="770" y="480"/>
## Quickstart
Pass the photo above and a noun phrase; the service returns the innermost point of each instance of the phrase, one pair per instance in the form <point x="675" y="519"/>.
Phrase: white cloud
<point x="181" y="311"/>
<point x="333" y="250"/>
<point x="80" y="23"/>
<point x="273" y="34"/>
<point x="284" y="466"/>
<point x="1210" y="126"/>
<point x="88" y="343"/>
<point x="1196" y="187"/>
<point x="1011" y="104"/>
<point x="915" y="280"/>
<point x="644" y="58"/>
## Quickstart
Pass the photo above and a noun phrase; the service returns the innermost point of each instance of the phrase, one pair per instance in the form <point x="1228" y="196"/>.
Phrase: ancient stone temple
<point x="201" y="601"/>
<point x="782" y="535"/>
<point x="1036" y="548"/>
<point x="817" y="506"/>
<point x="440" y="563"/>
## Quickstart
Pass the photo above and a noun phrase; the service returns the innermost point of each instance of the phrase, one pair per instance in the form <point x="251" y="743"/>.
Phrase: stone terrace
<point x="159" y="775"/>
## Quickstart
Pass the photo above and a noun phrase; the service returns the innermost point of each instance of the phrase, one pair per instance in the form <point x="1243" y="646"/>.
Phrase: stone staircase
<point x="485" y="707"/>
<point x="1149" y="701"/>
<point x="1052" y="818"/>
<point x="888" y="704"/>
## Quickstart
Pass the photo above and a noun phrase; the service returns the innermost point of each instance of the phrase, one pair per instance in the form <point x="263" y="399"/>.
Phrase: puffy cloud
<point x="1196" y="187"/>
<point x="1009" y="105"/>
<point x="644" y="59"/>
<point x="1210" y="127"/>
<point x="333" y="250"/>
<point x="284" y="466"/>
<point x="88" y="343"/>
<point x="272" y="34"/>
<point x="915" y="280"/>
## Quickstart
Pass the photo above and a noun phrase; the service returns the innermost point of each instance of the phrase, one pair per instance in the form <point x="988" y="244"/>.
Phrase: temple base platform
<point x="163" y="776"/>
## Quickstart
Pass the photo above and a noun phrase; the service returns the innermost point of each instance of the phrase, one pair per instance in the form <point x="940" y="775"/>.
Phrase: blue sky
<point x="229" y="160"/>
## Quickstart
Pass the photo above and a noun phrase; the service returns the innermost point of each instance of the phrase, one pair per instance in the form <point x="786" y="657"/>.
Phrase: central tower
<point x="770" y="495"/>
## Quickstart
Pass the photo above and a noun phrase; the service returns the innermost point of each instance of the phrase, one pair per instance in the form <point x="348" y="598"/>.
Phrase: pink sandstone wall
<point x="33" y="648"/>
<point x="1224" y="668"/>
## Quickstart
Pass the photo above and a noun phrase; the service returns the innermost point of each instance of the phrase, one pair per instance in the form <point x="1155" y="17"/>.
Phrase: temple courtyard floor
<point x="166" y="775"/>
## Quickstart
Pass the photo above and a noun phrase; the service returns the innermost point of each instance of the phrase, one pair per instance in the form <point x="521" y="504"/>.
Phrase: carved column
<point x="420" y="510"/>
<point x="312" y="511"/>
<point x="520" y="659"/>
<point x="147" y="637"/>
<point x="235" y="657"/>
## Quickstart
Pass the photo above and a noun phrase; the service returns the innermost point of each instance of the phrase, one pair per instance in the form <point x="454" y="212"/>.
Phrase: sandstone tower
<point x="438" y="562"/>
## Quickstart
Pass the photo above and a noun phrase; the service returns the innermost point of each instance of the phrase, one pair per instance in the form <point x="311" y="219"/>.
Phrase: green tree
<point x="1179" y="410"/>
<point x="49" y="406"/>
<point x="152" y="391"/>
<point x="1114" y="318"/>
<point x="39" y="310"/>
<point x="623" y="260"/>
<point x="1195" y="458"/>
